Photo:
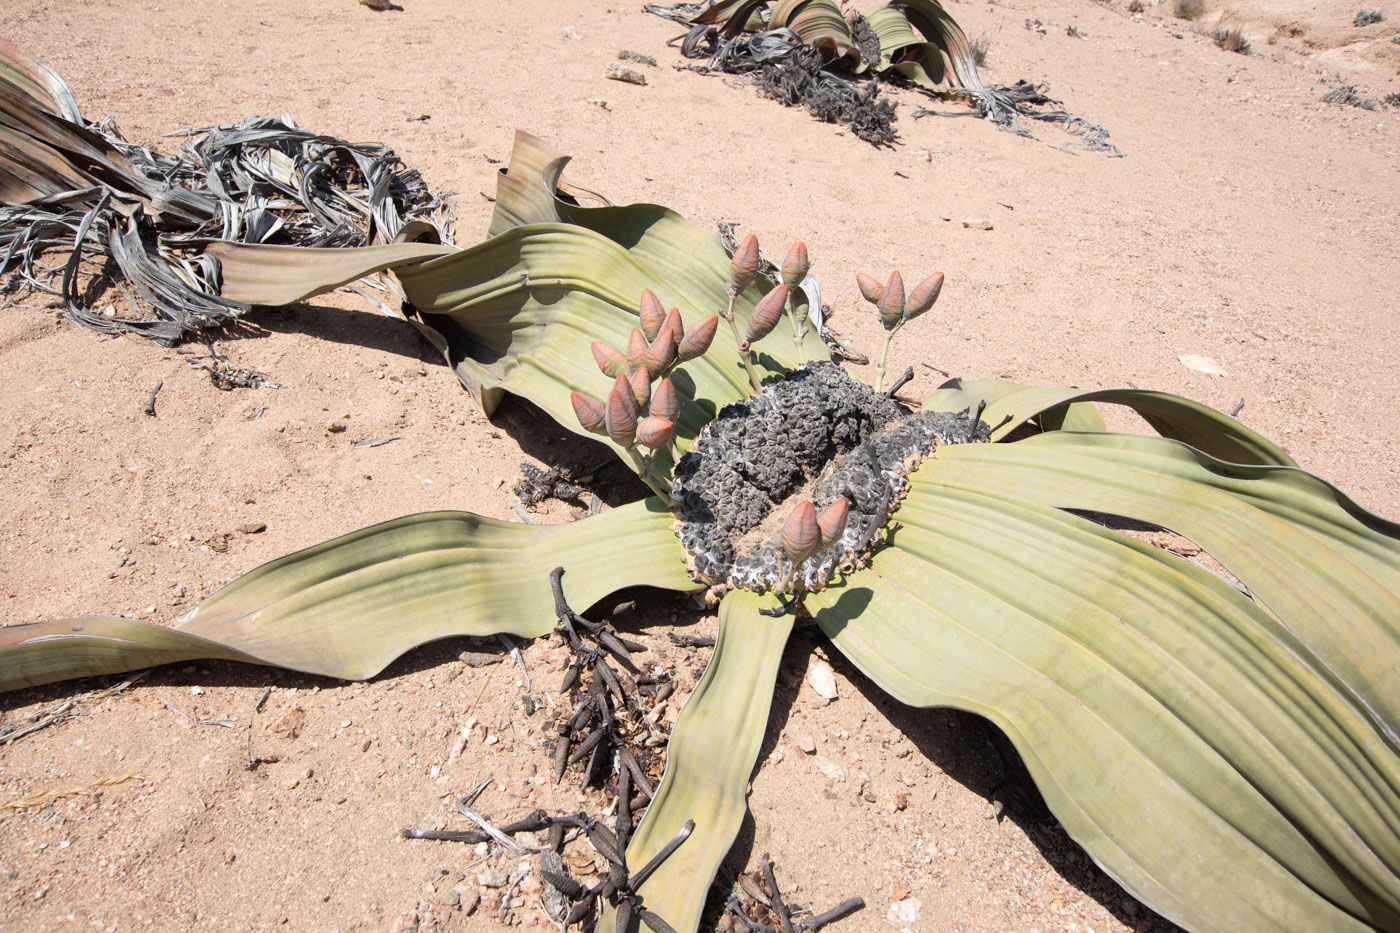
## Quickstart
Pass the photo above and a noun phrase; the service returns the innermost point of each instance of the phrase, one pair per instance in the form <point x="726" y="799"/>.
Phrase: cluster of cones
<point x="806" y="532"/>
<point x="638" y="411"/>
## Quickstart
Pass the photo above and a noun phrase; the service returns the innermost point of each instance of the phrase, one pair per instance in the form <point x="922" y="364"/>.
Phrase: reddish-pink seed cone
<point x="590" y="412"/>
<point x="636" y="350"/>
<point x="610" y="361"/>
<point x="870" y="289"/>
<point x="832" y="522"/>
<point x="664" y="401"/>
<point x="923" y="296"/>
<point x="641" y="388"/>
<point x="673" y="324"/>
<point x="620" y="419"/>
<point x="800" y="534"/>
<point x="698" y="339"/>
<point x="660" y="355"/>
<point x="892" y="301"/>
<point x="743" y="267"/>
<point x="766" y="314"/>
<point x="665" y="336"/>
<point x="796" y="265"/>
<point x="655" y="432"/>
<point x="653" y="315"/>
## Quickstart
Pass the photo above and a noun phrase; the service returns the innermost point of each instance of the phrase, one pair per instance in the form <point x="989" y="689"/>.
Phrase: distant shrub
<point x="1136" y="6"/>
<point x="1232" y="40"/>
<point x="1347" y="96"/>
<point x="980" y="47"/>
<point x="1188" y="9"/>
<point x="1367" y="17"/>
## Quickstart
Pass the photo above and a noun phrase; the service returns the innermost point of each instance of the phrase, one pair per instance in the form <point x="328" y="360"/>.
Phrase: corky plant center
<point x="816" y="435"/>
<point x="786" y="488"/>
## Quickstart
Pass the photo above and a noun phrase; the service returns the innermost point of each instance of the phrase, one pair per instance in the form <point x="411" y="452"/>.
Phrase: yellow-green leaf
<point x="347" y="607"/>
<point x="712" y="753"/>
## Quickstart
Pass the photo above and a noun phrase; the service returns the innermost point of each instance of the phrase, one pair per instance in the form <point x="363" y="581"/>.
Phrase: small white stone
<point x="905" y="911"/>
<point x="822" y="679"/>
<point x="829" y="768"/>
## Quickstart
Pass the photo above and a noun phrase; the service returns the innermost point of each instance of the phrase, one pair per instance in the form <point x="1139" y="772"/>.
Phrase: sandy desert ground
<point x="1249" y="222"/>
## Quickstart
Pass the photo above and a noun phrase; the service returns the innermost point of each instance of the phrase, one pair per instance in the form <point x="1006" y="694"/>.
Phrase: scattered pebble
<point x="822" y="679"/>
<point x="253" y="528"/>
<point x="409" y="922"/>
<point x="617" y="71"/>
<point x="829" y="768"/>
<point x="977" y="223"/>
<point x="291" y="723"/>
<point x="493" y="878"/>
<point x="1201" y="364"/>
<point x="600" y="102"/>
<point x="468" y="898"/>
<point x="905" y="911"/>
<point x="807" y="744"/>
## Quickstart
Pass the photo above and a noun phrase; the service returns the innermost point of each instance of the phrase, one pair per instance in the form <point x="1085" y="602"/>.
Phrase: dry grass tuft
<point x="1232" y="40"/>
<point x="1188" y="9"/>
<point x="980" y="47"/>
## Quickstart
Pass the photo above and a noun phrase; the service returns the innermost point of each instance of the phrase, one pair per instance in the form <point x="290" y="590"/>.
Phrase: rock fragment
<point x="617" y="71"/>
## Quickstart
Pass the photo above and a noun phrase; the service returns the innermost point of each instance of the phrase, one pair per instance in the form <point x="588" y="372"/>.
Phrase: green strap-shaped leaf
<point x="44" y="652"/>
<point x="349" y="606"/>
<point x="818" y="23"/>
<point x="736" y="15"/>
<point x="1334" y="579"/>
<point x="1186" y="739"/>
<point x="1169" y="415"/>
<point x="1072" y="416"/>
<point x="525" y="188"/>
<point x="709" y="759"/>
<point x="892" y="28"/>
<point x="519" y="312"/>
<point x="942" y="57"/>
<point x="278" y="275"/>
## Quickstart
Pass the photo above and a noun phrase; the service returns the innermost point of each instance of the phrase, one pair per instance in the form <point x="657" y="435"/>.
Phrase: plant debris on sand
<point x="1157" y="705"/>
<point x="799" y="79"/>
<point x="80" y="188"/>
<point x="835" y="62"/>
